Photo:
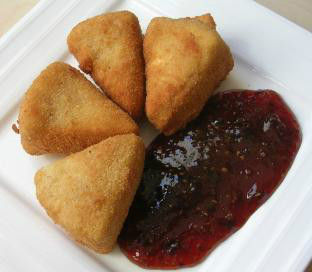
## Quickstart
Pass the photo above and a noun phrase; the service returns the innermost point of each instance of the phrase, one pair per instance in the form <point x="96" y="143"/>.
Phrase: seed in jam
<point x="203" y="183"/>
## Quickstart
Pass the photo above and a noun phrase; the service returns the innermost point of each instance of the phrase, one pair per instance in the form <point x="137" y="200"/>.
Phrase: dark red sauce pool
<point x="202" y="184"/>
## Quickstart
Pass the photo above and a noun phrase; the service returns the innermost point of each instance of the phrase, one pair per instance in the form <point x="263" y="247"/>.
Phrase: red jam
<point x="203" y="183"/>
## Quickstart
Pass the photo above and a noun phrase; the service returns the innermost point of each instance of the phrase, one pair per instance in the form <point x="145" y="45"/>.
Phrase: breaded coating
<point x="185" y="60"/>
<point x="63" y="112"/>
<point x="109" y="47"/>
<point x="89" y="193"/>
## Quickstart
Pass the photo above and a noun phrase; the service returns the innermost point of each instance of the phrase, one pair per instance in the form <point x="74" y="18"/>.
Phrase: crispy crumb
<point x="109" y="48"/>
<point x="62" y="112"/>
<point x="89" y="193"/>
<point x="186" y="60"/>
<point x="15" y="129"/>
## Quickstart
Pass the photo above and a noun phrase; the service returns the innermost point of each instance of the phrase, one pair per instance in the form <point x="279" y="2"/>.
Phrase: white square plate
<point x="270" y="53"/>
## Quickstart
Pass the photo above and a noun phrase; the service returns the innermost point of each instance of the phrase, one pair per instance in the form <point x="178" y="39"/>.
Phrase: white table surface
<point x="298" y="11"/>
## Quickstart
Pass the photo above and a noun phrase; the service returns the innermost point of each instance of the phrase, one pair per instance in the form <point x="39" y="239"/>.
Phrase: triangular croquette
<point x="89" y="193"/>
<point x="185" y="60"/>
<point x="63" y="112"/>
<point x="109" y="47"/>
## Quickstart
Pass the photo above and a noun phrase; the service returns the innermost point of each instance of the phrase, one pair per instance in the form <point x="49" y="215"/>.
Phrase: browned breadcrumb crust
<point x="89" y="193"/>
<point x="63" y="112"/>
<point x="186" y="60"/>
<point x="109" y="47"/>
<point x="15" y="129"/>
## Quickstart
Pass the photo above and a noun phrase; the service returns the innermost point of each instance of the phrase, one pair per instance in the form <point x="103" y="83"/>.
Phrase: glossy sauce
<point x="202" y="184"/>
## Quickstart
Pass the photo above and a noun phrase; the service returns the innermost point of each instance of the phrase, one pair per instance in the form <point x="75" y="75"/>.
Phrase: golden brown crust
<point x="208" y="20"/>
<point x="109" y="47"/>
<point x="62" y="112"/>
<point x="89" y="193"/>
<point x="186" y="60"/>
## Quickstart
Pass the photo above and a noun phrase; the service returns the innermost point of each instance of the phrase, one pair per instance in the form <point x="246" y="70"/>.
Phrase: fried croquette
<point x="109" y="47"/>
<point x="63" y="112"/>
<point x="186" y="60"/>
<point x="89" y="193"/>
